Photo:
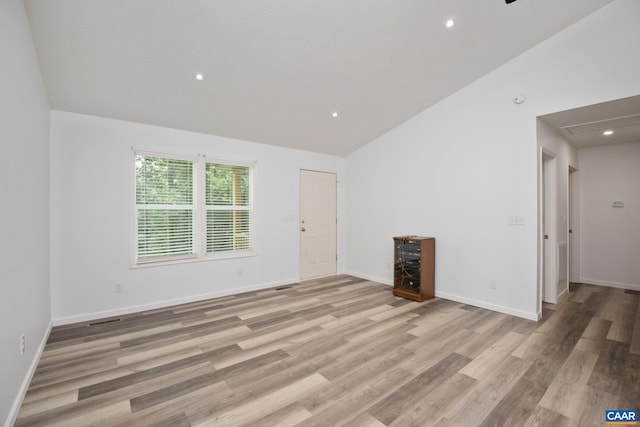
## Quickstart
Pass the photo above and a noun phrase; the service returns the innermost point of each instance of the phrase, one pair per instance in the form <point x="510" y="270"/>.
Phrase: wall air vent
<point x="601" y="125"/>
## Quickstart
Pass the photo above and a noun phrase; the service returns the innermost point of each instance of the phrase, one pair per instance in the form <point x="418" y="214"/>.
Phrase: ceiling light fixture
<point x="449" y="23"/>
<point x="607" y="132"/>
<point x="199" y="76"/>
<point x="334" y="114"/>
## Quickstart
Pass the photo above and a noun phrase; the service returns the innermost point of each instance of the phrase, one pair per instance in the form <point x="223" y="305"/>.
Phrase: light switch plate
<point x="516" y="220"/>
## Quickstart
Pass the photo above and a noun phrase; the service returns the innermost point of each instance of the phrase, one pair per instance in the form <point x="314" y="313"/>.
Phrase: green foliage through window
<point x="163" y="181"/>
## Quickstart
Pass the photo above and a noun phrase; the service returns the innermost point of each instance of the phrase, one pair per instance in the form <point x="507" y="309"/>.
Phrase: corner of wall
<point x="15" y="408"/>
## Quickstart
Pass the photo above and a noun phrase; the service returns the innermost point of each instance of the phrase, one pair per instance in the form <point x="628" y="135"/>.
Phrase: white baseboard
<point x="17" y="403"/>
<point x="597" y="282"/>
<point x="167" y="303"/>
<point x="476" y="303"/>
<point x="371" y="278"/>
<point x="489" y="306"/>
<point x="562" y="292"/>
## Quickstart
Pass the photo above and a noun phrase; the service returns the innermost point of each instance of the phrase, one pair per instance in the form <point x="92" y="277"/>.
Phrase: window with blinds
<point x="165" y="207"/>
<point x="229" y="213"/>
<point x="191" y="208"/>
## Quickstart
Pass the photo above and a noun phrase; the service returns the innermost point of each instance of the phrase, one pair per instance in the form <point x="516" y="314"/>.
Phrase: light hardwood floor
<point x="343" y="351"/>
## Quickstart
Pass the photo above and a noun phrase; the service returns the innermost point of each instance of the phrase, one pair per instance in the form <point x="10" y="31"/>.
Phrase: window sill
<point x="192" y="259"/>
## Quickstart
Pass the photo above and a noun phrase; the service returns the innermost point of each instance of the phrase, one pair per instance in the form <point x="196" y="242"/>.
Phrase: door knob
<point x="303" y="229"/>
<point x="546" y="237"/>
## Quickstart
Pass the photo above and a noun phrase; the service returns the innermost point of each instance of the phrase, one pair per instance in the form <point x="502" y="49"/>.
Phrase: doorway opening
<point x="548" y="239"/>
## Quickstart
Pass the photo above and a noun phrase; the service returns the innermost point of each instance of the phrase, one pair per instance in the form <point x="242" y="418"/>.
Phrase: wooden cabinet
<point x="414" y="267"/>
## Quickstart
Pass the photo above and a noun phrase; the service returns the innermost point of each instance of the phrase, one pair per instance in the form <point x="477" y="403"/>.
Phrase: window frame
<point x="199" y="228"/>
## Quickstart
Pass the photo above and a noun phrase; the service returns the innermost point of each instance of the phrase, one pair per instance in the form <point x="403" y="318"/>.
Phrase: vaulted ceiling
<point x="276" y="71"/>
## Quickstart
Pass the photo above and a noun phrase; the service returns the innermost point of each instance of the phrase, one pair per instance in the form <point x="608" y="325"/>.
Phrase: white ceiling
<point x="584" y="127"/>
<point x="275" y="70"/>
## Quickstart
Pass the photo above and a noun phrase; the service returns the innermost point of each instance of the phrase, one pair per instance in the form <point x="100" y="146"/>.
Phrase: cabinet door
<point x="408" y="259"/>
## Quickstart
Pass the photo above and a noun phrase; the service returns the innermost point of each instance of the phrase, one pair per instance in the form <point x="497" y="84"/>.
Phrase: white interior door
<point x="318" y="224"/>
<point x="550" y="290"/>
<point x="573" y="222"/>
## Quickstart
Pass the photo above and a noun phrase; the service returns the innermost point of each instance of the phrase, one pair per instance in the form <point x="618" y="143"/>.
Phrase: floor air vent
<point x="102" y="322"/>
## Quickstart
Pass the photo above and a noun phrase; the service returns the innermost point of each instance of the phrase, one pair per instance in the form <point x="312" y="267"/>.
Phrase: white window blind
<point x="229" y="210"/>
<point x="165" y="207"/>
<point x="191" y="208"/>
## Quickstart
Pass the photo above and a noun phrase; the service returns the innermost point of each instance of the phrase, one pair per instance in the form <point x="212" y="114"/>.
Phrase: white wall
<point x="91" y="177"/>
<point x="610" y="242"/>
<point x="458" y="170"/>
<point x="24" y="211"/>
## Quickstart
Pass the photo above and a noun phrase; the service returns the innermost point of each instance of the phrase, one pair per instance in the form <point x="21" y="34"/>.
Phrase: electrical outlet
<point x="118" y="287"/>
<point x="23" y="344"/>
<point x="493" y="284"/>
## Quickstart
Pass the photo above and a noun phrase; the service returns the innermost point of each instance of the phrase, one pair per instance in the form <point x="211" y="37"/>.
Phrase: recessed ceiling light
<point x="607" y="132"/>
<point x="449" y="23"/>
<point x="334" y="114"/>
<point x="199" y="76"/>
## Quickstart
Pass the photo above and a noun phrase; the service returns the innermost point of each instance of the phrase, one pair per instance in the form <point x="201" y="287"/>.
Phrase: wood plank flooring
<point x="343" y="351"/>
